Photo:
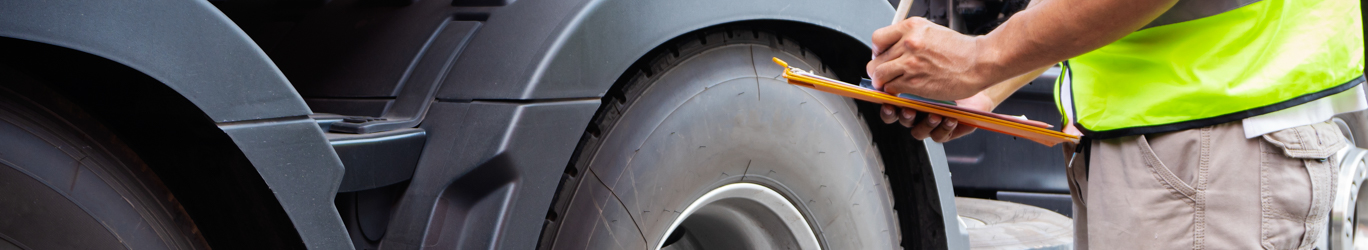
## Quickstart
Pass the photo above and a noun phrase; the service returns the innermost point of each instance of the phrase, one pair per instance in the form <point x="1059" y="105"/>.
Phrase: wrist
<point x="989" y="62"/>
<point x="984" y="101"/>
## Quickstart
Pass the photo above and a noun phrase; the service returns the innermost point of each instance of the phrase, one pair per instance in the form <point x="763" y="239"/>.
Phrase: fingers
<point x="894" y="52"/>
<point x="945" y="131"/>
<point x="961" y="131"/>
<point x="948" y="130"/>
<point x="895" y="89"/>
<point x="936" y="127"/>
<point x="924" y="128"/>
<point x="890" y="73"/>
<point x="890" y="47"/>
<point x="907" y="117"/>
<point x="887" y="36"/>
<point x="887" y="113"/>
<point x="886" y="67"/>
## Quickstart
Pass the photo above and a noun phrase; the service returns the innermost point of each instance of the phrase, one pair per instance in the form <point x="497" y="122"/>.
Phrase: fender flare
<point x="188" y="45"/>
<point x="577" y="54"/>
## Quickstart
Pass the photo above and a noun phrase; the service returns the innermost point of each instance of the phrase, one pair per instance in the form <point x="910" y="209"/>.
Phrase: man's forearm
<point x="999" y="92"/>
<point x="1056" y="30"/>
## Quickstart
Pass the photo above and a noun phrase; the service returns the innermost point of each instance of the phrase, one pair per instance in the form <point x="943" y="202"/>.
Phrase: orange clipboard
<point x="1036" y="131"/>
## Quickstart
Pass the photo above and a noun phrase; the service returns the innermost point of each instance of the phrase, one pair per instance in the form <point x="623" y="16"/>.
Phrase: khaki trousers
<point x="1206" y="188"/>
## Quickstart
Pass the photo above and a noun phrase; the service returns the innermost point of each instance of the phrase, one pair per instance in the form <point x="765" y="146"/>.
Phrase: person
<point x="1205" y="121"/>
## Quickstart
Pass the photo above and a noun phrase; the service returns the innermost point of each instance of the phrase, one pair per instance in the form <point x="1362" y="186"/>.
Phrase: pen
<point x="903" y="7"/>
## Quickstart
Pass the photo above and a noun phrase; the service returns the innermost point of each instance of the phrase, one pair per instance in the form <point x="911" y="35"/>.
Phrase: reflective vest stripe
<point x="1065" y="96"/>
<point x="1063" y="93"/>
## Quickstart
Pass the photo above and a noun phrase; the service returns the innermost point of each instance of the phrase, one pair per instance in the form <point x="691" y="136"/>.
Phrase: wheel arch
<point x="588" y="49"/>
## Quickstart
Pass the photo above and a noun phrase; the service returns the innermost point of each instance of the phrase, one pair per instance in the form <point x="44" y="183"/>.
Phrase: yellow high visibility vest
<point x="1207" y="62"/>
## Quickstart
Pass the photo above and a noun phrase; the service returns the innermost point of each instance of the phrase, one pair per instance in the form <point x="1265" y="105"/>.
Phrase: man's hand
<point x="922" y="58"/>
<point x="942" y="129"/>
<point x="939" y="129"/>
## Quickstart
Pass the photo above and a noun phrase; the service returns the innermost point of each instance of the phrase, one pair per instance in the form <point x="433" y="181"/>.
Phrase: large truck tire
<point x="65" y="183"/>
<point x="706" y="147"/>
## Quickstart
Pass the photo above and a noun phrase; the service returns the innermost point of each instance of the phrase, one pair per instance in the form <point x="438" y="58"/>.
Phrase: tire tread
<point x="636" y="80"/>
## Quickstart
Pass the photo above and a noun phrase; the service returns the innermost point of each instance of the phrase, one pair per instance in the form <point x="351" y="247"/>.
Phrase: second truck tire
<point x="65" y="183"/>
<point x="710" y="110"/>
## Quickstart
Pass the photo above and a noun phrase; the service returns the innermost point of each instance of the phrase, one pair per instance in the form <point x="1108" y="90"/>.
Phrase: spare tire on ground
<point x="1005" y="225"/>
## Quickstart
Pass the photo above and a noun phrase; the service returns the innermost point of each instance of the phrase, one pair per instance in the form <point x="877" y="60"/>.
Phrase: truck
<point x="490" y="124"/>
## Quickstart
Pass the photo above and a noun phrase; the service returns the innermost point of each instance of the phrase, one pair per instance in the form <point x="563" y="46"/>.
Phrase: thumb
<point x="873" y="82"/>
<point x="894" y="89"/>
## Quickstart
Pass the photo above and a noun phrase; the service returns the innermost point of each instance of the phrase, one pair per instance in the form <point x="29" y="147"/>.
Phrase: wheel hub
<point x="1347" y="229"/>
<point x="740" y="216"/>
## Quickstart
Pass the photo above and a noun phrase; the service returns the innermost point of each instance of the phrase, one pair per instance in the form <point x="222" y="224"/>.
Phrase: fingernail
<point x="933" y="123"/>
<point x="887" y="111"/>
<point x="951" y="124"/>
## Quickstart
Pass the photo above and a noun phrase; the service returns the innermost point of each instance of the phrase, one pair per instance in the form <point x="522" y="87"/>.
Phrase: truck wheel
<point x="1006" y="225"/>
<point x="706" y="147"/>
<point x="66" y="184"/>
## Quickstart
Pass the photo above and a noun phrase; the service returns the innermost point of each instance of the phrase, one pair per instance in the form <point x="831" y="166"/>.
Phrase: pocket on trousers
<point x="1297" y="183"/>
<point x="1315" y="141"/>
<point x="1165" y="175"/>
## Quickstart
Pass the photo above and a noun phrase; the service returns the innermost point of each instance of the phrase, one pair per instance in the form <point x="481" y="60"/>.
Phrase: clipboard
<point x="1036" y="131"/>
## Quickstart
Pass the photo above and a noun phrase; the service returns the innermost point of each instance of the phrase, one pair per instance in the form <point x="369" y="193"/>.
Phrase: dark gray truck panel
<point x="303" y="171"/>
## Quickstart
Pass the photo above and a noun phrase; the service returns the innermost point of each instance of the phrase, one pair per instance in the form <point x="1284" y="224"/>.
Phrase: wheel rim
<point x="745" y="214"/>
<point x="1347" y="229"/>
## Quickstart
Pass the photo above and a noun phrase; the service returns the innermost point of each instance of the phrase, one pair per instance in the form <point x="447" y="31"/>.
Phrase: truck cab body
<point x="465" y="124"/>
<point x="401" y="124"/>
